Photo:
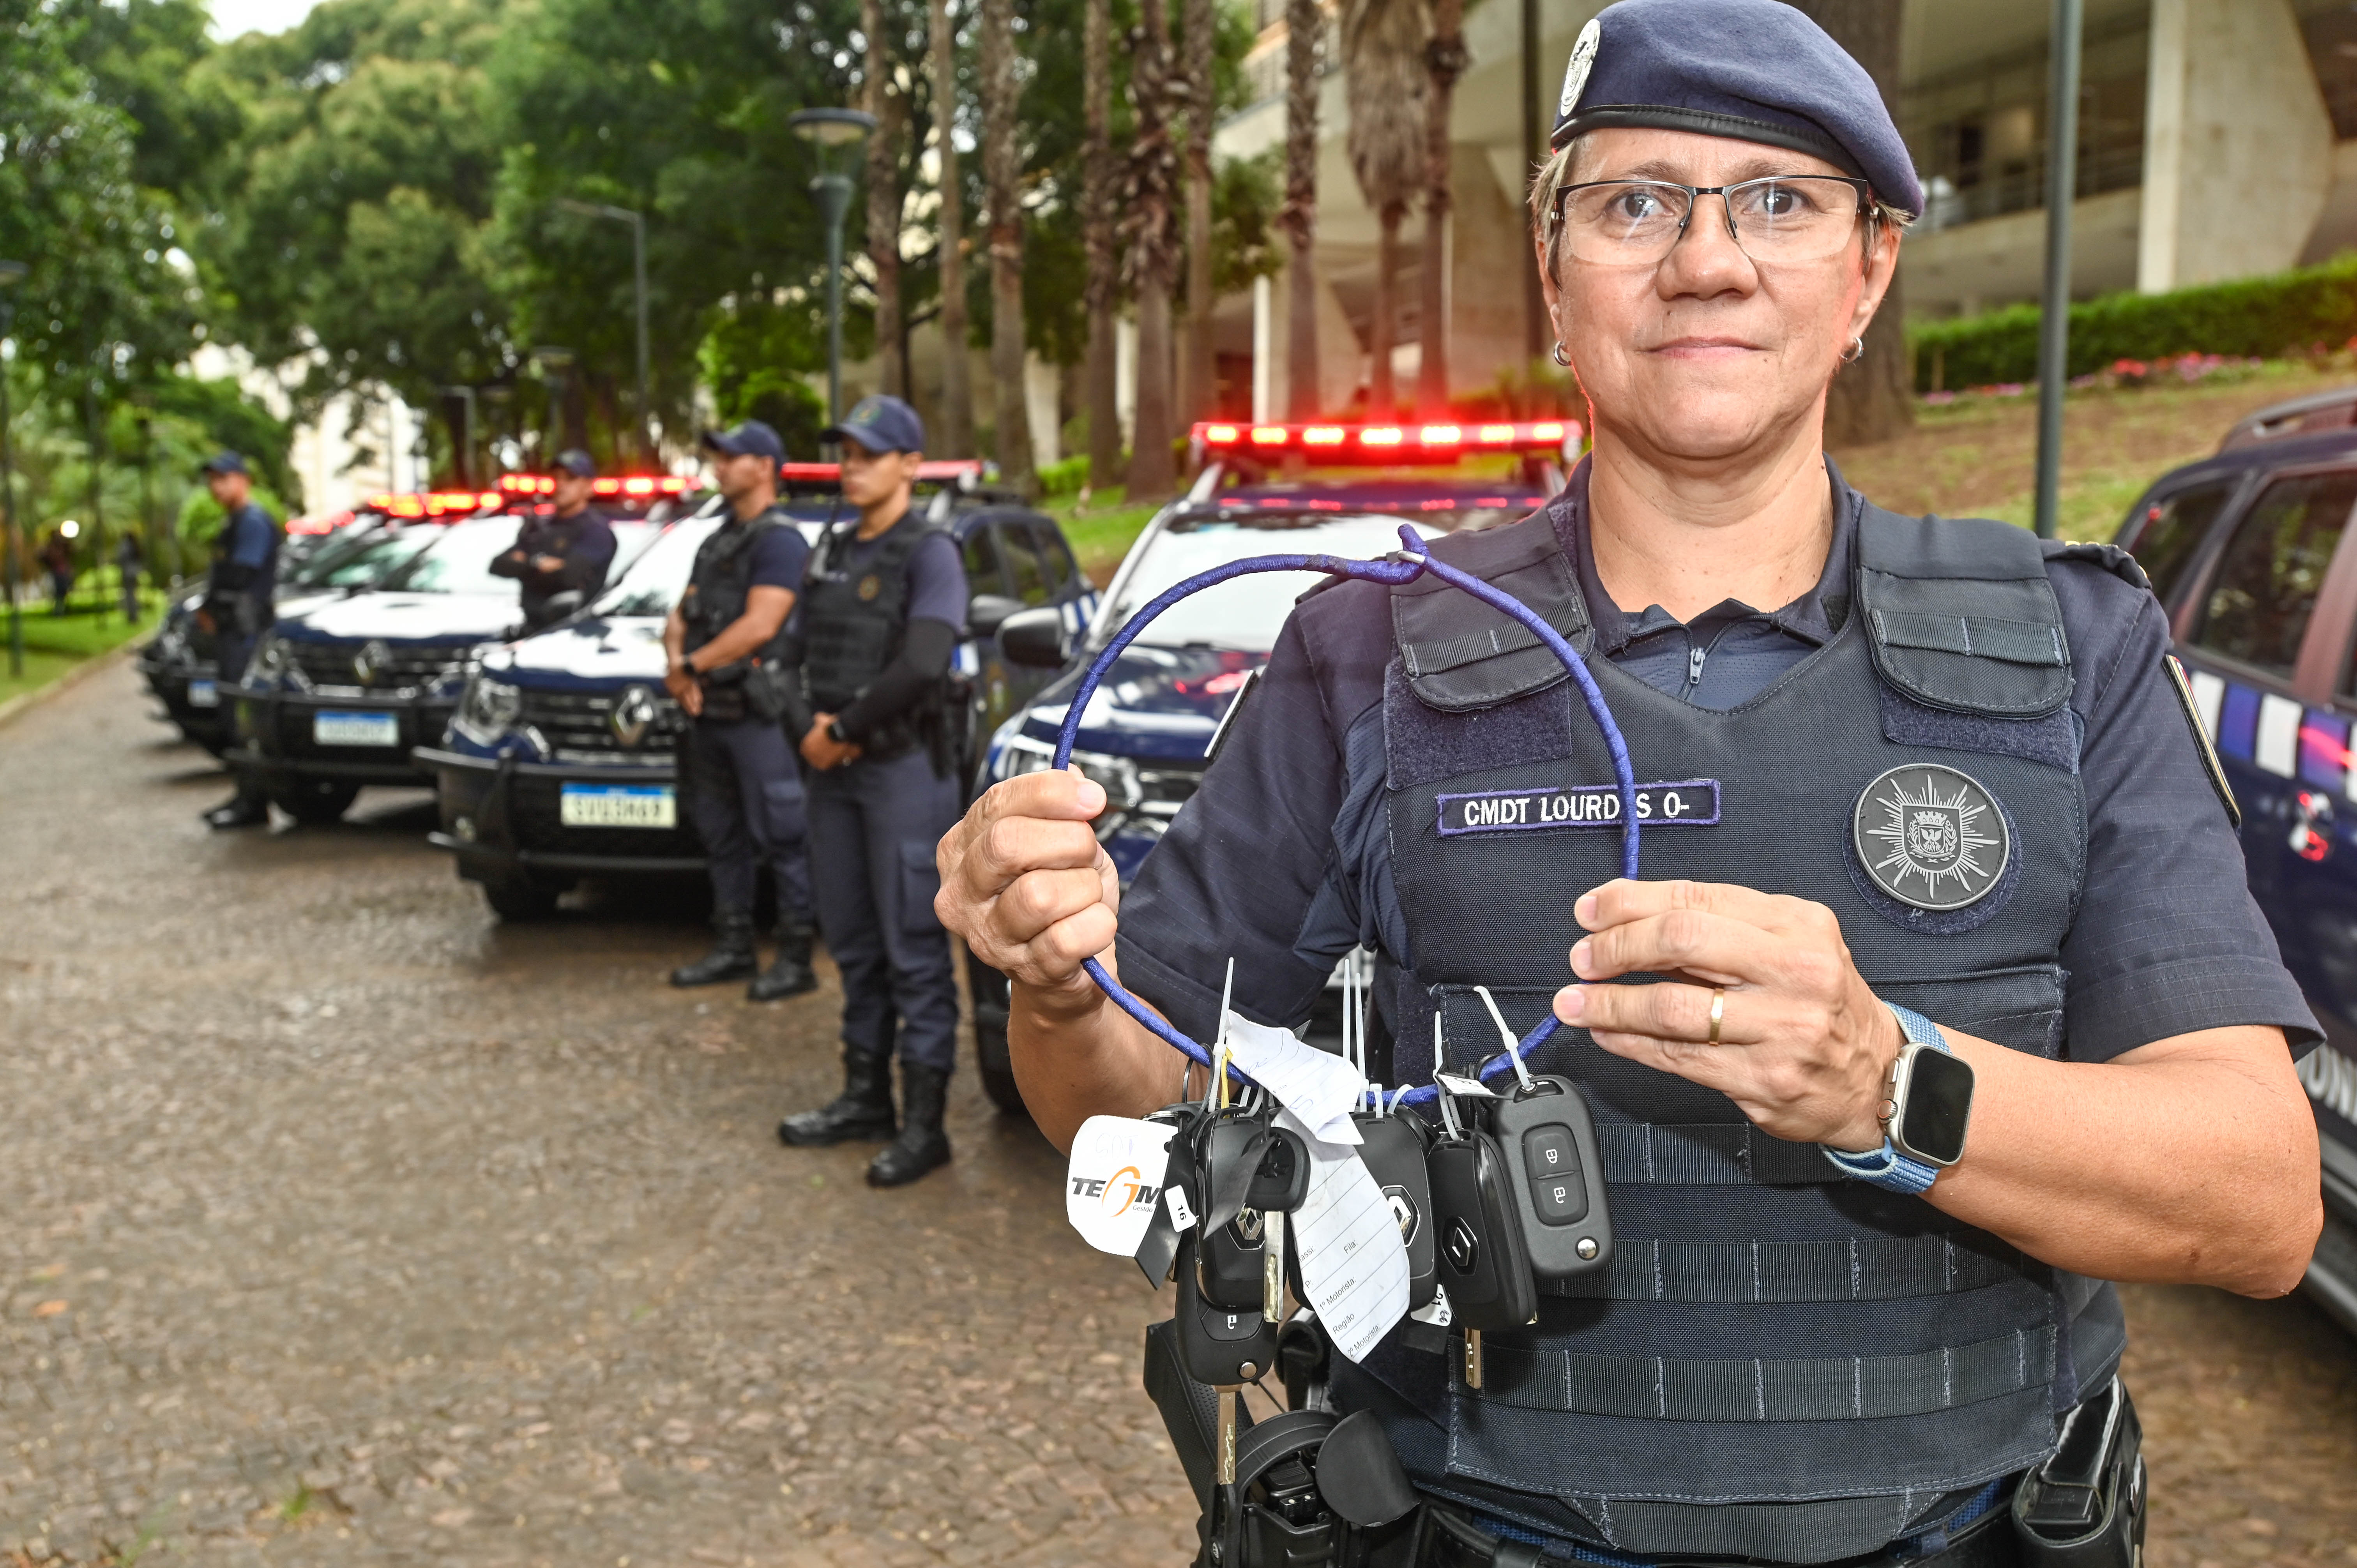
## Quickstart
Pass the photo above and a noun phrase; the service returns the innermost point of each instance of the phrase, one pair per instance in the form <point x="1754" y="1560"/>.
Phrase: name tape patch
<point x="1689" y="803"/>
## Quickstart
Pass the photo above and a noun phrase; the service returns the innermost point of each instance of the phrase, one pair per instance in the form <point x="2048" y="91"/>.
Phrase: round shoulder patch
<point x="1931" y="837"/>
<point x="1583" y="60"/>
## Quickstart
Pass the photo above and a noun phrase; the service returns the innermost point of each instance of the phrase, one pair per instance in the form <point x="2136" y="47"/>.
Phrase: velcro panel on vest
<point x="1856" y="1268"/>
<point x="1462" y="656"/>
<point x="1961" y="616"/>
<point x="1813" y="1387"/>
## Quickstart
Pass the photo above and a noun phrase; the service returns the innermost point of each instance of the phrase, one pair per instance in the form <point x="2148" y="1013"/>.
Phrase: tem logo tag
<point x="1689" y="803"/>
<point x="1932" y="837"/>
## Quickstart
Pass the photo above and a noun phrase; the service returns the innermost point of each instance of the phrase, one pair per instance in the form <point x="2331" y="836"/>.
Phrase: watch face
<point x="1938" y="1101"/>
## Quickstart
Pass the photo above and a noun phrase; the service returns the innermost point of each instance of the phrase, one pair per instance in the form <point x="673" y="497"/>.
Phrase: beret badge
<point x="1583" y="60"/>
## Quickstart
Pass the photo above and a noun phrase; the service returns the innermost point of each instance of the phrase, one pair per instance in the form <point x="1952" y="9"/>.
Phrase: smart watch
<point x="1924" y="1115"/>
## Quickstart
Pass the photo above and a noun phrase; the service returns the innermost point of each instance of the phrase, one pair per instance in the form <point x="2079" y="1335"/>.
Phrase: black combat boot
<point x="791" y="974"/>
<point x="921" y="1145"/>
<point x="862" y="1111"/>
<point x="249" y="808"/>
<point x="732" y="956"/>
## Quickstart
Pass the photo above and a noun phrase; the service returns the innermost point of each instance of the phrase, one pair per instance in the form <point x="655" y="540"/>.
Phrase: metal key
<point x="1278" y="1188"/>
<point x="1224" y="1348"/>
<point x="1484" y="1261"/>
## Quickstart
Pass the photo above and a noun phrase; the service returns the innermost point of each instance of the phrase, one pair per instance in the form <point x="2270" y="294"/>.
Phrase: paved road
<point x="325" y="1238"/>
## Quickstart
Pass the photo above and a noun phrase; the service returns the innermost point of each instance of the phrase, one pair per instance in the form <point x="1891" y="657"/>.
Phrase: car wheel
<point x="315" y="802"/>
<point x="518" y="898"/>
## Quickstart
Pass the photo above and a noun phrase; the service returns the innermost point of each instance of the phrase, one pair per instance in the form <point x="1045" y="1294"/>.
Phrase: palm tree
<point x="1384" y="79"/>
<point x="1146" y="217"/>
<point x="1304" y="22"/>
<point x="1445" y="61"/>
<point x="956" y="437"/>
<point x="884" y="199"/>
<point x="1100" y="175"/>
<point x="1002" y="170"/>
<point x="1197" y="378"/>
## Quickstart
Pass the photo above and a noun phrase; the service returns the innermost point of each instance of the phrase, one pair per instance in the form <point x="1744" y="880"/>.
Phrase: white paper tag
<point x="1353" y="1265"/>
<point x="1115" y="1179"/>
<point x="1182" y="1213"/>
<point x="1435" y="1311"/>
<point x="1317" y="1087"/>
<point x="1464" y="1087"/>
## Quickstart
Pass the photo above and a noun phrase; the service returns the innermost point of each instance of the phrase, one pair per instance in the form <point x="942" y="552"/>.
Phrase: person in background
<point x="237" y="607"/>
<point x="886" y="601"/>
<point x="561" y="559"/>
<point x="57" y="559"/>
<point x="129" y="562"/>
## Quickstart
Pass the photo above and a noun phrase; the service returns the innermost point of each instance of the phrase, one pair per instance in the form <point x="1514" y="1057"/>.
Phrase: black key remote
<point x="1393" y="1149"/>
<point x="1222" y="1347"/>
<point x="1549" y="1143"/>
<point x="1234" y="1258"/>
<point x="1484" y="1263"/>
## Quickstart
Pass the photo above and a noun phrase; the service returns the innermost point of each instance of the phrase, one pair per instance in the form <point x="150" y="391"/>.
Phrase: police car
<point x="559" y="762"/>
<point x="337" y="696"/>
<point x="1148" y="733"/>
<point x="2251" y="553"/>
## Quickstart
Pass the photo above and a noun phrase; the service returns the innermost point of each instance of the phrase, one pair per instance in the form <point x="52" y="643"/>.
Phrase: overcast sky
<point x="234" y="17"/>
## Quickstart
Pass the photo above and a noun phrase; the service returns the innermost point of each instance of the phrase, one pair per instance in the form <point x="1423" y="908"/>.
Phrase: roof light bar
<point x="1406" y="442"/>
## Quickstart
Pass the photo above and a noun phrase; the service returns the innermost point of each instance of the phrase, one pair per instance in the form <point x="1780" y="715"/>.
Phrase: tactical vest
<point x="720" y="585"/>
<point x="1780" y="1362"/>
<point x="262" y="587"/>
<point x="853" y="628"/>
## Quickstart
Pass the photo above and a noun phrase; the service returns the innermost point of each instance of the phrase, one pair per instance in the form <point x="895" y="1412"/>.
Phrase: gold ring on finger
<point x="1717" y="1015"/>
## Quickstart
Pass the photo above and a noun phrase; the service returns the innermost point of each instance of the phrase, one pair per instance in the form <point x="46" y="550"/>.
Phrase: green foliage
<point x="758" y="359"/>
<point x="2260" y="317"/>
<point x="1064" y="478"/>
<point x="1245" y="196"/>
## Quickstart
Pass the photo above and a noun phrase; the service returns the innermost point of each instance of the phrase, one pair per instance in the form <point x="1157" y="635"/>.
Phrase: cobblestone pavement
<point x="340" y="1225"/>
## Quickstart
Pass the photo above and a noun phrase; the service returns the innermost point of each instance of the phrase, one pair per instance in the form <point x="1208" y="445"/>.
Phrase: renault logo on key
<point x="633" y="715"/>
<point x="1463" y="1251"/>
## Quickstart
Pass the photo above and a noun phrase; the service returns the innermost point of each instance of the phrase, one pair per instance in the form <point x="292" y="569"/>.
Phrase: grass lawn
<point x="55" y="644"/>
<point x="1101" y="534"/>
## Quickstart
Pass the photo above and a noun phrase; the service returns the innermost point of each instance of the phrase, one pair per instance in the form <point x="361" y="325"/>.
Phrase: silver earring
<point x="1558" y="356"/>
<point x="1857" y="351"/>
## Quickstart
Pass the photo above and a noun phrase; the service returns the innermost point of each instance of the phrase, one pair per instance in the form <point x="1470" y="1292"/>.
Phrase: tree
<point x="1445" y="62"/>
<point x="1147" y="222"/>
<point x="1099" y="176"/>
<point x="1384" y="79"/>
<point x="1304" y="22"/>
<point x="1870" y="401"/>
<point x="956" y="437"/>
<point x="883" y="198"/>
<point x="1197" y="378"/>
<point x="1001" y="162"/>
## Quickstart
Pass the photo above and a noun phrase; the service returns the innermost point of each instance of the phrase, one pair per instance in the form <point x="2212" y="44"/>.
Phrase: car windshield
<point x="459" y="560"/>
<point x="364" y="561"/>
<point x="1244" y="614"/>
<point x="656" y="578"/>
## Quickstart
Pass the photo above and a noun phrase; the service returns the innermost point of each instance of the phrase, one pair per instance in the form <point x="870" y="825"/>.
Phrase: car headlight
<point x="1117" y="775"/>
<point x="490" y="708"/>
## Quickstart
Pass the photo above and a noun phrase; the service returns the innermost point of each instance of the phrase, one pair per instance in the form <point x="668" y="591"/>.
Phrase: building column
<point x="2232" y="108"/>
<point x="1264" y="390"/>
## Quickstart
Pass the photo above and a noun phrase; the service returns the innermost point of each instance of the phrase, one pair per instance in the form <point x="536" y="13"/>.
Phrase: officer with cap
<point x="728" y="645"/>
<point x="887" y="600"/>
<point x="237" y="607"/>
<point x="561" y="559"/>
<point x="1940" y="800"/>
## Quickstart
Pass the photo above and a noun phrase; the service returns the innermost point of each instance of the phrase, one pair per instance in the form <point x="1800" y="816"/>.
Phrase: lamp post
<point x="465" y="396"/>
<point x="11" y="275"/>
<point x="555" y="365"/>
<point x="638" y="222"/>
<point x="2054" y="312"/>
<point x="826" y="130"/>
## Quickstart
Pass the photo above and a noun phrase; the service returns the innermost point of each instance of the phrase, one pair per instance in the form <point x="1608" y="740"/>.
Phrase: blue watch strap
<point x="1889" y="1167"/>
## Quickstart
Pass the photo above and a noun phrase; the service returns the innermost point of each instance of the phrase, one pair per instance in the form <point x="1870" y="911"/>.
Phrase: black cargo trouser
<point x="873" y="829"/>
<point x="745" y="796"/>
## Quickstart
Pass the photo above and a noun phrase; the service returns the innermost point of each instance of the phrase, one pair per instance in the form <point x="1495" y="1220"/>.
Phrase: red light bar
<point x="1405" y="444"/>
<point x="939" y="470"/>
<point x="1270" y="434"/>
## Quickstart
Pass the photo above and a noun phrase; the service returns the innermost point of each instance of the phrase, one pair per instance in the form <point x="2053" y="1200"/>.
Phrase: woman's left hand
<point x="1804" y="1046"/>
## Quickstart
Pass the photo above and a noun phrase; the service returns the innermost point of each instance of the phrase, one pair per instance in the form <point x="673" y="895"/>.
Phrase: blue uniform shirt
<point x="1282" y="859"/>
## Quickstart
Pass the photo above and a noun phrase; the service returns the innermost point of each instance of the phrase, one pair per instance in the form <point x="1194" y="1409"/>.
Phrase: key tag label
<point x="1109" y="1194"/>
<point x="1182" y="1213"/>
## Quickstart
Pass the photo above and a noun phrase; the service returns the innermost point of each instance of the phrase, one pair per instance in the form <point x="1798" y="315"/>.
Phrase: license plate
<point x="329" y="727"/>
<point x="617" y="806"/>
<point x="204" y="694"/>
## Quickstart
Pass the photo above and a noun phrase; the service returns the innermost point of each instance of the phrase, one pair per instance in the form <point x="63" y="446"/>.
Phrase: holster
<point x="2085" y="1506"/>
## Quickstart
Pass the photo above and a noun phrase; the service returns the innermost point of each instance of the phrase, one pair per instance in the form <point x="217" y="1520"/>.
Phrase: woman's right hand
<point x="1026" y="883"/>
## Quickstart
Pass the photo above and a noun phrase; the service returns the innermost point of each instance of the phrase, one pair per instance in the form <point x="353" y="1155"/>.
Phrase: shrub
<point x="2250" y="318"/>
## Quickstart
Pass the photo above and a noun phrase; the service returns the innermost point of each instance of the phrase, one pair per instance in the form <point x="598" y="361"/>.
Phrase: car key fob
<point x="1548" y="1139"/>
<point x="1483" y="1260"/>
<point x="1282" y="1179"/>
<point x="1234" y="1259"/>
<point x="1218" y="1345"/>
<point x="1393" y="1148"/>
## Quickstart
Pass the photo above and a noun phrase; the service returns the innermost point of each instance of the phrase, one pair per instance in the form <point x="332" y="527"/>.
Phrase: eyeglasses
<point x="1625" y="222"/>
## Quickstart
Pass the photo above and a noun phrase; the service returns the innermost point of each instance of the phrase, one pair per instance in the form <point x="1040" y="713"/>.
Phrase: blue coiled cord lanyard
<point x="1405" y="565"/>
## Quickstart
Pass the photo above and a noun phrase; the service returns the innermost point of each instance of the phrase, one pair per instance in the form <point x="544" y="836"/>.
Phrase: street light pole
<point x="465" y="396"/>
<point x="2054" y="318"/>
<point x="554" y="366"/>
<point x="638" y="222"/>
<point x="11" y="275"/>
<point x="826" y="130"/>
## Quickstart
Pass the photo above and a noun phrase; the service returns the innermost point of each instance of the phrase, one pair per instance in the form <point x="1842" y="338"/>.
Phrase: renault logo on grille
<point x="633" y="715"/>
<point x="371" y="662"/>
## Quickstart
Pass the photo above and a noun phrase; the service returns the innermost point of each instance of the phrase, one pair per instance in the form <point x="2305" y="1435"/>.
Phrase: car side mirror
<point x="1034" y="638"/>
<point x="985" y="612"/>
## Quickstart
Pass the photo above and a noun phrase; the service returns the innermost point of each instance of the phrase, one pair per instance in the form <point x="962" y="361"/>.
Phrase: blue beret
<point x="1756" y="70"/>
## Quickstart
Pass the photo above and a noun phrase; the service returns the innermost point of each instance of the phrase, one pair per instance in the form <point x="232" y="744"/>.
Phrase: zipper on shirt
<point x="1694" y="657"/>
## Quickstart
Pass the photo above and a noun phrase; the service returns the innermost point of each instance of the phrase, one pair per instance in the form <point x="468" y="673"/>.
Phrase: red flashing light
<point x="1497" y="435"/>
<point x="1442" y="435"/>
<point x="1270" y="435"/>
<point x="1221" y="434"/>
<point x="1438" y="442"/>
<point x="1324" y="436"/>
<point x="1383" y="436"/>
<point x="607" y="487"/>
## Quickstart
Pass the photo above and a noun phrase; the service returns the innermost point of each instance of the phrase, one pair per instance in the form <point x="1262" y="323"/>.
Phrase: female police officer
<point x="1949" y="773"/>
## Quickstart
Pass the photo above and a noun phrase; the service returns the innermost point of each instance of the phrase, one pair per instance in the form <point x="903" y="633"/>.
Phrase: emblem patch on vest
<point x="1931" y="837"/>
<point x="1689" y="803"/>
<point x="869" y="586"/>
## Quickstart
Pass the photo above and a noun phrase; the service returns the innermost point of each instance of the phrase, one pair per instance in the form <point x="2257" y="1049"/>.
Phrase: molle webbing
<point x="1856" y="1268"/>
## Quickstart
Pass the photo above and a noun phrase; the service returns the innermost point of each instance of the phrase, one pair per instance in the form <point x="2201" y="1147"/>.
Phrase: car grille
<point x="410" y="665"/>
<point x="533" y="817"/>
<point x="579" y="727"/>
<point x="1164" y="790"/>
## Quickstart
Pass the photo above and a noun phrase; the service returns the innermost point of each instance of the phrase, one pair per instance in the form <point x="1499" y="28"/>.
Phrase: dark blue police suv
<point x="2251" y="553"/>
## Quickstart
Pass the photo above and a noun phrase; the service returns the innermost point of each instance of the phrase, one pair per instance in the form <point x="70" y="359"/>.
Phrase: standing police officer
<point x="237" y="607"/>
<point x="1941" y="802"/>
<point x="728" y="644"/>
<point x="886" y="602"/>
<point x="566" y="552"/>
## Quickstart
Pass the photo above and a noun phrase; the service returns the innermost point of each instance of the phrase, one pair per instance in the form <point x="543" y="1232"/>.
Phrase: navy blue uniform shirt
<point x="1282" y="858"/>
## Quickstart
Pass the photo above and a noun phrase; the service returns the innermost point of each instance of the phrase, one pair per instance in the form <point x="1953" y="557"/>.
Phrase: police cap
<point x="1755" y="70"/>
<point x="752" y="437"/>
<point x="880" y="424"/>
